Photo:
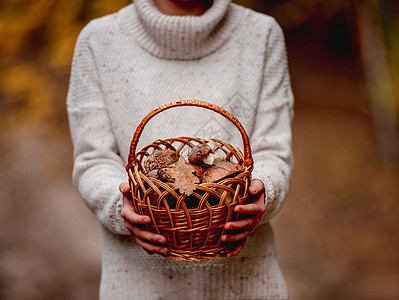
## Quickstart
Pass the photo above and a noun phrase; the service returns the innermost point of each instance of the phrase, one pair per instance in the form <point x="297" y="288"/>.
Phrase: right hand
<point x="150" y="242"/>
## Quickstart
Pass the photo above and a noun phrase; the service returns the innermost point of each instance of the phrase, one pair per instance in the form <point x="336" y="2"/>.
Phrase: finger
<point x="151" y="248"/>
<point x="144" y="234"/>
<point x="124" y="188"/>
<point x="249" y="209"/>
<point x="240" y="224"/>
<point x="129" y="215"/>
<point x="256" y="187"/>
<point x="237" y="250"/>
<point x="235" y="237"/>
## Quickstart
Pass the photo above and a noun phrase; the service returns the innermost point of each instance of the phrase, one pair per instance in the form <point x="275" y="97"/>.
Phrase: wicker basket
<point x="192" y="233"/>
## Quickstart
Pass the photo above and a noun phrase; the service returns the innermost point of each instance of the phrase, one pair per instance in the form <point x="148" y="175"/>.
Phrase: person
<point x="152" y="52"/>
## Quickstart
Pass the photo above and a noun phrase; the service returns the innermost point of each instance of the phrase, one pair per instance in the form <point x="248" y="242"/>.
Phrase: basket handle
<point x="248" y="161"/>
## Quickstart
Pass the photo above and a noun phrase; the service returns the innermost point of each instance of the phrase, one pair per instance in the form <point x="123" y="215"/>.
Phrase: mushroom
<point x="212" y="159"/>
<point x="165" y="174"/>
<point x="160" y="158"/>
<point x="198" y="170"/>
<point x="153" y="174"/>
<point x="220" y="171"/>
<point x="198" y="152"/>
<point x="201" y="155"/>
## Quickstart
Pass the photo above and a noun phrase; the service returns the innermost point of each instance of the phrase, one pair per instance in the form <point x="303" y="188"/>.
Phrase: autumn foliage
<point x="37" y="41"/>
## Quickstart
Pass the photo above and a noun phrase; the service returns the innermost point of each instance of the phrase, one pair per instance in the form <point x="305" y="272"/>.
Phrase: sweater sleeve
<point x="271" y="137"/>
<point x="98" y="168"/>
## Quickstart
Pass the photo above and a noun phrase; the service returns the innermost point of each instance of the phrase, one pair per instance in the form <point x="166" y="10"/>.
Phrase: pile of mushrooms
<point x="201" y="166"/>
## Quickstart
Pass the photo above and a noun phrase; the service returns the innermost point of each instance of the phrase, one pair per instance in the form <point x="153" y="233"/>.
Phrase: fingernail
<point x="160" y="240"/>
<point x="164" y="250"/>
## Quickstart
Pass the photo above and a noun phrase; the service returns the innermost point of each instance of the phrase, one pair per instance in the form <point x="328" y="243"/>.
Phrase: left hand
<point x="250" y="216"/>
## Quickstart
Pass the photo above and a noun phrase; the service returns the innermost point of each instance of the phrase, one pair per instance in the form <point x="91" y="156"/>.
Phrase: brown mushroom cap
<point x="160" y="158"/>
<point x="153" y="174"/>
<point x="229" y="165"/>
<point x="198" y="170"/>
<point x="221" y="170"/>
<point x="198" y="152"/>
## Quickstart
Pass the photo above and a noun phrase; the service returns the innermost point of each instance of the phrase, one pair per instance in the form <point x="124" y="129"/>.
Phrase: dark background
<point x="337" y="232"/>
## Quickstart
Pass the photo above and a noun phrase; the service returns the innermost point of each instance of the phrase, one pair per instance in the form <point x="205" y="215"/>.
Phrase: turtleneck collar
<point x="181" y="37"/>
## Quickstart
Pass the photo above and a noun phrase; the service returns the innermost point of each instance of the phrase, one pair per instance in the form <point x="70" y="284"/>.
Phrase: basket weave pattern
<point x="194" y="225"/>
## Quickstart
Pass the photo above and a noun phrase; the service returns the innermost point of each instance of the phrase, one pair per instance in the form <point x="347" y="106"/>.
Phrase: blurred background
<point x="337" y="234"/>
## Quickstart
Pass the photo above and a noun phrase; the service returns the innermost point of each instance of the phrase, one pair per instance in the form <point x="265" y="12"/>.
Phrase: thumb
<point x="124" y="188"/>
<point x="256" y="187"/>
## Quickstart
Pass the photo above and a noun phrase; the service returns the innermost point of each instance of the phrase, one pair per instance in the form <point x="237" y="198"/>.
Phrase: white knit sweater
<point x="130" y="62"/>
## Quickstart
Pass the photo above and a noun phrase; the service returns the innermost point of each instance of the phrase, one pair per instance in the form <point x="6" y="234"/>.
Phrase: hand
<point x="150" y="242"/>
<point x="250" y="216"/>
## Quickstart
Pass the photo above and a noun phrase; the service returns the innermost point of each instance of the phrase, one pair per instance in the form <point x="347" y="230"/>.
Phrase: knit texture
<point x="130" y="62"/>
